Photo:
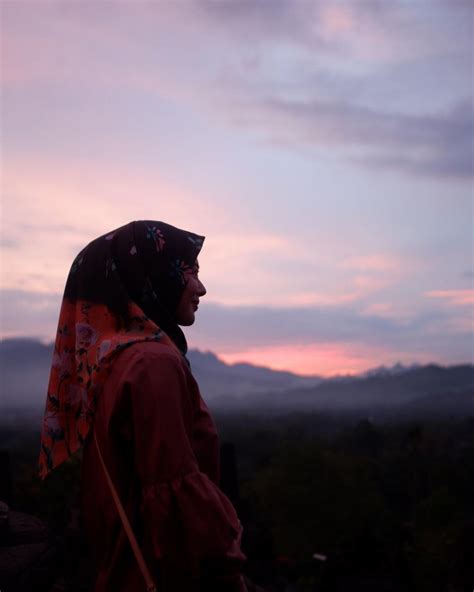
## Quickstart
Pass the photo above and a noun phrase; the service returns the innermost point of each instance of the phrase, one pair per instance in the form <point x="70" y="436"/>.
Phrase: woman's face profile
<point x="188" y="305"/>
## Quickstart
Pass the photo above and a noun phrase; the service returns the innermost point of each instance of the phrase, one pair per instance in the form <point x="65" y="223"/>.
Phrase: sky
<point x="324" y="148"/>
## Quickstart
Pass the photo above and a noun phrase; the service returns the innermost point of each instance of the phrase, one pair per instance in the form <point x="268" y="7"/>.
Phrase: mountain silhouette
<point x="430" y="389"/>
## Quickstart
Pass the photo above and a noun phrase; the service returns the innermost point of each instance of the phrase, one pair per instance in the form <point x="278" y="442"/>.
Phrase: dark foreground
<point x="329" y="503"/>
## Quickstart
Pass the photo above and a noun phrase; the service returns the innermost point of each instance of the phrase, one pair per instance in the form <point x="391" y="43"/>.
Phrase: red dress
<point x="161" y="448"/>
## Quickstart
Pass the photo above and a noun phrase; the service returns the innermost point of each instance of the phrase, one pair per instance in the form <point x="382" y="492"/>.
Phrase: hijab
<point x="123" y="288"/>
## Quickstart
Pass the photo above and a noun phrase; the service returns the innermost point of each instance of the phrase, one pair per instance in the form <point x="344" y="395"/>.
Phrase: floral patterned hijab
<point x="124" y="287"/>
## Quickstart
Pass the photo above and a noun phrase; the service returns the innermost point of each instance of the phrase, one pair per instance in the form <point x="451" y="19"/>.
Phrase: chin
<point x="186" y="322"/>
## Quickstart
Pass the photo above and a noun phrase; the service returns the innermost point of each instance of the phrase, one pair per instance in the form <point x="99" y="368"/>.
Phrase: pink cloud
<point x="336" y="20"/>
<point x="355" y="289"/>
<point x="269" y="289"/>
<point x="382" y="309"/>
<point x="392" y="33"/>
<point x="399" y="311"/>
<point x="369" y="284"/>
<point x="453" y="297"/>
<point x="83" y="200"/>
<point x="244" y="243"/>
<point x="457" y="324"/>
<point x="321" y="299"/>
<point x="377" y="262"/>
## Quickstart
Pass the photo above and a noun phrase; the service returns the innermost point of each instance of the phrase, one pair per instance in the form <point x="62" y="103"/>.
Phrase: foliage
<point x="389" y="505"/>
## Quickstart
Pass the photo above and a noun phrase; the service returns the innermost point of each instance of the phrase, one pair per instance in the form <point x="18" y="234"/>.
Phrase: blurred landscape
<point x="324" y="149"/>
<point x="392" y="393"/>
<point x="354" y="482"/>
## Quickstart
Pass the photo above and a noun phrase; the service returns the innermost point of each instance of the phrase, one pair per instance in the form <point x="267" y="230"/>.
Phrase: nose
<point x="201" y="289"/>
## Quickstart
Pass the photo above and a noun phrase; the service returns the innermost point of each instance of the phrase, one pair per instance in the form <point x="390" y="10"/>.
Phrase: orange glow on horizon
<point x="321" y="359"/>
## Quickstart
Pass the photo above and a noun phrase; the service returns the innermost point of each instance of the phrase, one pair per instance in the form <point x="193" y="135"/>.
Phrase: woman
<point x="121" y="386"/>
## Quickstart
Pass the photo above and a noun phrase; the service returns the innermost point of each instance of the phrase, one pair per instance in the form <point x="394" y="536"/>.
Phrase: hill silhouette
<point x="415" y="390"/>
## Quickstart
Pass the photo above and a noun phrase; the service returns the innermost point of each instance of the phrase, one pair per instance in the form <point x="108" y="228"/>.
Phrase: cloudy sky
<point x="323" y="147"/>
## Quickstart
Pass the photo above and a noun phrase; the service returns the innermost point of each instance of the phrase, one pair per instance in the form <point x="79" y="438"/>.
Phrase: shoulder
<point x="149" y="352"/>
<point x="149" y="359"/>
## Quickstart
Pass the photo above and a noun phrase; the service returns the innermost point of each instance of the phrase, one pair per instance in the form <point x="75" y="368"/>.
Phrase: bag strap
<point x="150" y="585"/>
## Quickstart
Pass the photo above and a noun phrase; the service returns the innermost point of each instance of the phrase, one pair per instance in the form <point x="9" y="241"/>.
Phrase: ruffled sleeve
<point x="190" y="526"/>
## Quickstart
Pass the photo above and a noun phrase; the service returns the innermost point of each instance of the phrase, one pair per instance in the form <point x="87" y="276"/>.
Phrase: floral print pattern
<point x="197" y="241"/>
<point x="85" y="336"/>
<point x="179" y="269"/>
<point x="88" y="340"/>
<point x="81" y="360"/>
<point x="156" y="234"/>
<point x="110" y="266"/>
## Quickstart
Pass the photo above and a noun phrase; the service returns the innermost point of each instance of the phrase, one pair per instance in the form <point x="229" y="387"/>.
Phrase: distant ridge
<point x="25" y="364"/>
<point x="397" y="368"/>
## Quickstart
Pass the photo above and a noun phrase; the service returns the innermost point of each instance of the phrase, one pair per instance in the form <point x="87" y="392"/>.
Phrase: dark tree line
<point x="328" y="503"/>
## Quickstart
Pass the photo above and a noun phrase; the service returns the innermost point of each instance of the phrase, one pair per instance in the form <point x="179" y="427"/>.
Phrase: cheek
<point x="192" y="286"/>
<point x="188" y="292"/>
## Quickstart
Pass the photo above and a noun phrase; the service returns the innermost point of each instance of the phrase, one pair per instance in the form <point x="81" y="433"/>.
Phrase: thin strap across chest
<point x="150" y="585"/>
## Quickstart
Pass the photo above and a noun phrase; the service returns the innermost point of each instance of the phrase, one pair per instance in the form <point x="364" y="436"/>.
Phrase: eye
<point x="192" y="272"/>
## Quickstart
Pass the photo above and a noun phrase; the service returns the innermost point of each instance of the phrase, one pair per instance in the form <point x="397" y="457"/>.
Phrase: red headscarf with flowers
<point x="124" y="287"/>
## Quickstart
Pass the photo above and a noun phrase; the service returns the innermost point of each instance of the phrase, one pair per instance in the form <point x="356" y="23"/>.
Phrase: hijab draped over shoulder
<point x="123" y="288"/>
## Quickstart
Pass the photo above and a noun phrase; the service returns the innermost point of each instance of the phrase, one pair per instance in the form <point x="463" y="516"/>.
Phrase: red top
<point x="161" y="448"/>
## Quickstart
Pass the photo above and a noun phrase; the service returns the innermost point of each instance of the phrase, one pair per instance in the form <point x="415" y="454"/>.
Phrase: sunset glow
<point x="311" y="143"/>
<point x="322" y="359"/>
